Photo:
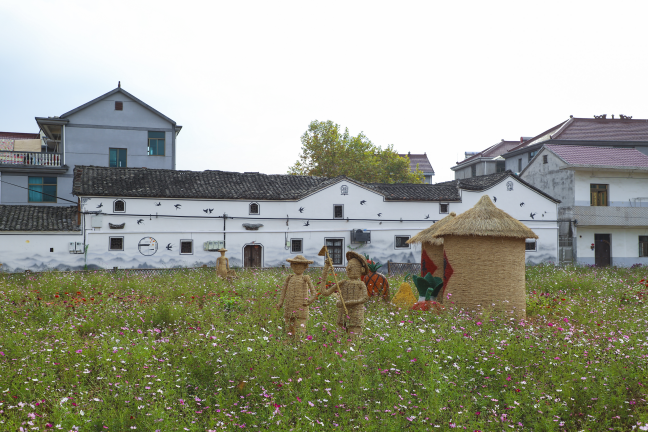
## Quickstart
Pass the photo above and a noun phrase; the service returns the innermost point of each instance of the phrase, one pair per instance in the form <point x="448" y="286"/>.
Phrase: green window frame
<point x="599" y="195"/>
<point x="118" y="158"/>
<point x="156" y="143"/>
<point x="42" y="189"/>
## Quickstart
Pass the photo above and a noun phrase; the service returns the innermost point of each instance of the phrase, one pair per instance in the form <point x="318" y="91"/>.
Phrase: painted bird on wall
<point x="177" y="206"/>
<point x="169" y="246"/>
<point x="158" y="204"/>
<point x="307" y="223"/>
<point x="100" y="205"/>
<point x="301" y="209"/>
<point x="363" y="202"/>
<point x="211" y="210"/>
<point x="427" y="217"/>
<point x="494" y="199"/>
<point x="532" y="215"/>
<point x="521" y="204"/>
<point x="379" y="214"/>
<point x="139" y="221"/>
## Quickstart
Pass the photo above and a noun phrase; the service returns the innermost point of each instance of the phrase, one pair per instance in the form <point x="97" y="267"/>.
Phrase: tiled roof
<point x="18" y="135"/>
<point x="492" y="151"/>
<point x="420" y="159"/>
<point x="155" y="183"/>
<point x="484" y="182"/>
<point x="38" y="218"/>
<point x="599" y="156"/>
<point x="589" y="129"/>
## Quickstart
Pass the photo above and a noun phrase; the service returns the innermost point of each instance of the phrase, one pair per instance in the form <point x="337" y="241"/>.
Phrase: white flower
<point x="249" y="349"/>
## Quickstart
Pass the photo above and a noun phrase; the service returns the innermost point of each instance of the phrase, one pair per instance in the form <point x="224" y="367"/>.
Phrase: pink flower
<point x="566" y="319"/>
<point x="478" y="323"/>
<point x="309" y="337"/>
<point x="79" y="351"/>
<point x="550" y="324"/>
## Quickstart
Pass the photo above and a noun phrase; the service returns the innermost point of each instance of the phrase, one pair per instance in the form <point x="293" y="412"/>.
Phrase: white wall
<point x="625" y="245"/>
<point x="623" y="187"/>
<point x="21" y="251"/>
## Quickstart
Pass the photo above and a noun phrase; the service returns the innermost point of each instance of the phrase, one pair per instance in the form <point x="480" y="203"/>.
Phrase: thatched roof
<point x="425" y="236"/>
<point x="484" y="219"/>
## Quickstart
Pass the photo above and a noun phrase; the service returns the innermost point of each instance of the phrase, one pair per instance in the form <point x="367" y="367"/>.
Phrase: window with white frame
<point x="531" y="245"/>
<point x="119" y="206"/>
<point x="116" y="243"/>
<point x="338" y="211"/>
<point x="400" y="242"/>
<point x="444" y="208"/>
<point x="186" y="247"/>
<point x="255" y="209"/>
<point x="296" y="245"/>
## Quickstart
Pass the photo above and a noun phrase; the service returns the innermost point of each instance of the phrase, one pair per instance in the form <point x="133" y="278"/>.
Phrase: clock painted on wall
<point x="147" y="246"/>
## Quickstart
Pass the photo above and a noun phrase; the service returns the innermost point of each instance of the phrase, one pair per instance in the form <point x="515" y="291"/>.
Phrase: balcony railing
<point x="613" y="216"/>
<point x="31" y="159"/>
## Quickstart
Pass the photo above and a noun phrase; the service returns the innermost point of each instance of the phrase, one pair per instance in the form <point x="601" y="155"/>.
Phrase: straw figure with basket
<point x="222" y="265"/>
<point x="377" y="284"/>
<point x="486" y="247"/>
<point x="353" y="293"/>
<point x="432" y="260"/>
<point x="295" y="296"/>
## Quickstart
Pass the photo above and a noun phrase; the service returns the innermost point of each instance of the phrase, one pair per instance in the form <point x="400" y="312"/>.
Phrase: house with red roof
<point x="603" y="191"/>
<point x="421" y="162"/>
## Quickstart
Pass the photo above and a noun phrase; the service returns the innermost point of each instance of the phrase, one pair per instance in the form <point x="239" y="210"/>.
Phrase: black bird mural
<point x="495" y="199"/>
<point x="100" y="205"/>
<point x="307" y="223"/>
<point x="211" y="210"/>
<point x="139" y="221"/>
<point x="158" y="204"/>
<point x="206" y="210"/>
<point x="363" y="202"/>
<point x="177" y="206"/>
<point x="379" y="214"/>
<point x="169" y="246"/>
<point x="427" y="217"/>
<point x="521" y="204"/>
<point x="532" y="215"/>
<point x="301" y="209"/>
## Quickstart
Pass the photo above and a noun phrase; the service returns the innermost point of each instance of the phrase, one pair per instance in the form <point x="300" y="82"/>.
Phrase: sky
<point x="245" y="78"/>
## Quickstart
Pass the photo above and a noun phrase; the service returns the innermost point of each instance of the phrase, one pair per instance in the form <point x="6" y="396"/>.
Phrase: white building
<point x="139" y="218"/>
<point x="604" y="193"/>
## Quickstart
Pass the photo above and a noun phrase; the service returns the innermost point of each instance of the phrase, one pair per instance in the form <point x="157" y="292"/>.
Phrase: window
<point x="473" y="171"/>
<point x="545" y="159"/>
<point x="643" y="246"/>
<point x="156" y="143"/>
<point x="338" y="211"/>
<point x="119" y="206"/>
<point x="500" y="166"/>
<point x="254" y="208"/>
<point x="296" y="246"/>
<point x="443" y="208"/>
<point x="519" y="164"/>
<point x="186" y="247"/>
<point x="531" y="245"/>
<point x="334" y="247"/>
<point x="119" y="106"/>
<point x="401" y="242"/>
<point x="532" y="155"/>
<point x="117" y="158"/>
<point x="42" y="189"/>
<point x="599" y="195"/>
<point x="116" y="243"/>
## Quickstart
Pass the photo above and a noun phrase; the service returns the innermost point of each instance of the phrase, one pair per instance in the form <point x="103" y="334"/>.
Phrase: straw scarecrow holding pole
<point x="295" y="295"/>
<point x="353" y="293"/>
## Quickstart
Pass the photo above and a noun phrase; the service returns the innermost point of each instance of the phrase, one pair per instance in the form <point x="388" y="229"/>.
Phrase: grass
<point x="97" y="352"/>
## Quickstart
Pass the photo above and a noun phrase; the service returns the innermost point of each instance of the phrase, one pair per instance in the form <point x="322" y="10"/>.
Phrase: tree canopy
<point x="328" y="152"/>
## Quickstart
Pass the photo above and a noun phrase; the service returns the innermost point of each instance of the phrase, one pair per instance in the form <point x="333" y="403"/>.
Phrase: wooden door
<point x="252" y="256"/>
<point x="602" y="250"/>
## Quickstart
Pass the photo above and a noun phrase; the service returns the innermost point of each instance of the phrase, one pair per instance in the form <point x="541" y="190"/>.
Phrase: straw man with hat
<point x="353" y="293"/>
<point x="295" y="296"/>
<point x="222" y="264"/>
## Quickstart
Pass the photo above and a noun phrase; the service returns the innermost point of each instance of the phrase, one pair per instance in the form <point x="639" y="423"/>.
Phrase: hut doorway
<point x="252" y="255"/>
<point x="602" y="250"/>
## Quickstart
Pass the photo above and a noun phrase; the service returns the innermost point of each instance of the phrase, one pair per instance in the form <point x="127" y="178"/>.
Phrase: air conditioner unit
<point x="213" y="245"/>
<point x="360" y="236"/>
<point x="75" y="247"/>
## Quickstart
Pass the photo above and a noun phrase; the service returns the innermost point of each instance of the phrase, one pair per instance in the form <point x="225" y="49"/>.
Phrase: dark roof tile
<point x="38" y="218"/>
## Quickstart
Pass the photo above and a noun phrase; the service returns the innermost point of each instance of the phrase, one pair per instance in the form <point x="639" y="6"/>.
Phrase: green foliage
<point x="373" y="265"/>
<point x="428" y="286"/>
<point x="329" y="152"/>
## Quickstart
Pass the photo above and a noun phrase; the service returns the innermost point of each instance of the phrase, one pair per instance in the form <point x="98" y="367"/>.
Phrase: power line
<point x="43" y="193"/>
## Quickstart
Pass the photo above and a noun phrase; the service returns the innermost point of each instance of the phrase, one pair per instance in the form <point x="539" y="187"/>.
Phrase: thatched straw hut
<point x="432" y="248"/>
<point x="485" y="247"/>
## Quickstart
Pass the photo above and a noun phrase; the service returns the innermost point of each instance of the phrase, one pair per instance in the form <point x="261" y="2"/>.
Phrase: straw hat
<point x="222" y="250"/>
<point x="486" y="220"/>
<point x="425" y="236"/>
<point x="350" y="255"/>
<point x="299" y="259"/>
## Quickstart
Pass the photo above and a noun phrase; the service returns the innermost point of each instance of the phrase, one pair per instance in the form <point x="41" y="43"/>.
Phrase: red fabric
<point x="447" y="272"/>
<point x="427" y="265"/>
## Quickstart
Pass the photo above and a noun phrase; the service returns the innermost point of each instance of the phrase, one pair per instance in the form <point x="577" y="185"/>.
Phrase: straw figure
<point x="353" y="292"/>
<point x="431" y="248"/>
<point x="295" y="296"/>
<point x="222" y="264"/>
<point x="485" y="246"/>
<point x="404" y="297"/>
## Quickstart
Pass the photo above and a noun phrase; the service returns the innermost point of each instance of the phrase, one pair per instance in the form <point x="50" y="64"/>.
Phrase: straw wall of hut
<point x="432" y="248"/>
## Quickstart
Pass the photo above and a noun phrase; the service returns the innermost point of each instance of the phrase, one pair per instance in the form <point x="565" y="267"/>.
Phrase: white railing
<point x="30" y="158"/>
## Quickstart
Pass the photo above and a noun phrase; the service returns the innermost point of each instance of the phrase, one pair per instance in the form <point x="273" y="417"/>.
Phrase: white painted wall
<point x="624" y="187"/>
<point x="20" y="251"/>
<point x="625" y="245"/>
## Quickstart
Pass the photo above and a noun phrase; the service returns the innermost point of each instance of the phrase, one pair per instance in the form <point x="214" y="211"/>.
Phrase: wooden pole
<point x="336" y="281"/>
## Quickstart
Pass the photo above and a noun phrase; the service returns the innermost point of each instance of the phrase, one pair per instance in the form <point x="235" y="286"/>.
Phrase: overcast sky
<point x="245" y="78"/>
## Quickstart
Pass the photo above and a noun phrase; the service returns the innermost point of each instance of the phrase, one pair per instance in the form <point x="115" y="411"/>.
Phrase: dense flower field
<point x="97" y="352"/>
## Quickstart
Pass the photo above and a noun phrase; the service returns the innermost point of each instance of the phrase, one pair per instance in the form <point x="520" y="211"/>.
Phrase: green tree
<point x="329" y="152"/>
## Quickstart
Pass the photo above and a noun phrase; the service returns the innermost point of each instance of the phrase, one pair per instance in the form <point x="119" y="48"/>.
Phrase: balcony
<point x="32" y="162"/>
<point x="611" y="216"/>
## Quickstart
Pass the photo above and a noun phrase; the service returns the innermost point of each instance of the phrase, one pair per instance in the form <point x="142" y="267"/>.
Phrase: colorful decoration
<point x="428" y="288"/>
<point x="377" y="284"/>
<point x="404" y="297"/>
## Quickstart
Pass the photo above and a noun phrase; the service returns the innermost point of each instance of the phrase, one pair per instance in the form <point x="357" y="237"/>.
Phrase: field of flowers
<point x="188" y="352"/>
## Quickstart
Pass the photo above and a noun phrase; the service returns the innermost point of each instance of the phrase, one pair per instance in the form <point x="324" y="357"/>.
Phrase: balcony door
<point x="602" y="250"/>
